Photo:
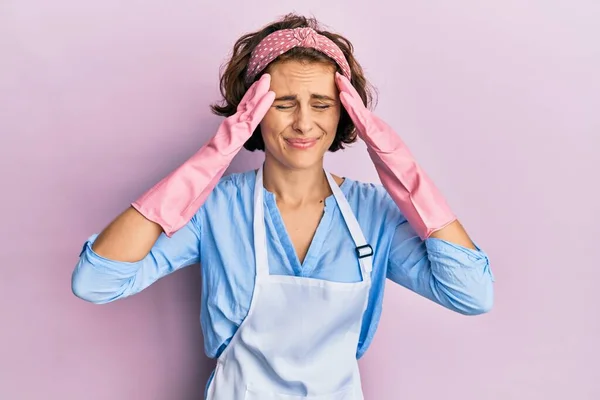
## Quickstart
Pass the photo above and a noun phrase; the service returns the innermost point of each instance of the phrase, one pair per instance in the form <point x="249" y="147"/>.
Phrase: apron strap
<point x="364" y="251"/>
<point x="260" y="234"/>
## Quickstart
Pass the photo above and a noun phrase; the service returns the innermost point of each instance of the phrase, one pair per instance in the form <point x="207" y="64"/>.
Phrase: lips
<point x="303" y="143"/>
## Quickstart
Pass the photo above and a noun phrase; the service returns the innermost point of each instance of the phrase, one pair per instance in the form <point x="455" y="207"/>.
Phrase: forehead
<point x="294" y="77"/>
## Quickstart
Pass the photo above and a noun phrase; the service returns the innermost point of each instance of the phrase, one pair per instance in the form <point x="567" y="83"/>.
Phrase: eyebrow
<point x="291" y="97"/>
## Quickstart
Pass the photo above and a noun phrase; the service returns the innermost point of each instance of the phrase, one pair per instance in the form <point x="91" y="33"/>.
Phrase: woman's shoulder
<point x="365" y="191"/>
<point x="237" y="180"/>
<point x="231" y="188"/>
<point x="372" y="199"/>
<point x="235" y="183"/>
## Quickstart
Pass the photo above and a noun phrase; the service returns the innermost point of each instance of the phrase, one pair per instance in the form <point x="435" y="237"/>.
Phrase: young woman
<point x="294" y="259"/>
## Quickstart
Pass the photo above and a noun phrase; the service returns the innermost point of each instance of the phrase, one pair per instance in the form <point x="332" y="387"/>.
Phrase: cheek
<point x="329" y="121"/>
<point x="271" y="127"/>
<point x="274" y="121"/>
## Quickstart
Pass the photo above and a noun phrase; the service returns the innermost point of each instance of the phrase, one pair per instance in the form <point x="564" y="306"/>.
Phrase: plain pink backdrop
<point x="499" y="101"/>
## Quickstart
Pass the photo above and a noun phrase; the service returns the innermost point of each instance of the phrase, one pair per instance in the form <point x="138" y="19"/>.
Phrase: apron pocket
<point x="344" y="394"/>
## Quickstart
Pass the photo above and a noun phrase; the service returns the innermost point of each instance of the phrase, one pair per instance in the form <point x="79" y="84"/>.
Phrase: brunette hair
<point x="233" y="83"/>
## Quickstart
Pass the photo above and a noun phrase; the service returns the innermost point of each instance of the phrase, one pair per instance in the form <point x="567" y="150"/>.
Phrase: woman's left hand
<point x="409" y="186"/>
<point x="376" y="133"/>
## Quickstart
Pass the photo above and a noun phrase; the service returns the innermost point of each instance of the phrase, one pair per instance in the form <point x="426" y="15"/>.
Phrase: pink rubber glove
<point x="411" y="189"/>
<point x="173" y="201"/>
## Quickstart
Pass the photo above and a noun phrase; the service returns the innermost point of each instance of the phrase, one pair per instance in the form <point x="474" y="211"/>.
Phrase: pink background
<point x="500" y="102"/>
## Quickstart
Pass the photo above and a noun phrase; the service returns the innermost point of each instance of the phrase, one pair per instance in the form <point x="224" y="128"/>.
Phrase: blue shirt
<point x="220" y="238"/>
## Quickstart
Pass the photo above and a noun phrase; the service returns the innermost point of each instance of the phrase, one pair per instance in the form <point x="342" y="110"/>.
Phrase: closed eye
<point x="319" y="107"/>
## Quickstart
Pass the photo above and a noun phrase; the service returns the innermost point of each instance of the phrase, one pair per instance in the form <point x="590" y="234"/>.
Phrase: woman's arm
<point x="454" y="276"/>
<point x="431" y="252"/>
<point x="454" y="233"/>
<point x="134" y="250"/>
<point x="100" y="278"/>
<point x="128" y="238"/>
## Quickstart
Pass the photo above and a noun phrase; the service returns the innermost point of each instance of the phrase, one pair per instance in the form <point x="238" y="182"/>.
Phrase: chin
<point x="299" y="160"/>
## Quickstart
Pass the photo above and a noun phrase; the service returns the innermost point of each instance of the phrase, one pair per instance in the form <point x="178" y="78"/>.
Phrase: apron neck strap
<point x="260" y="234"/>
<point x="364" y="251"/>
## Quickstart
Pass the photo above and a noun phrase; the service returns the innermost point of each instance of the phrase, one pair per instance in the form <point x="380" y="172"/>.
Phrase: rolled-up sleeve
<point x="100" y="280"/>
<point x="451" y="275"/>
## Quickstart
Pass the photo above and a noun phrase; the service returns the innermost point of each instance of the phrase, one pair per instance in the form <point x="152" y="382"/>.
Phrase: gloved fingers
<point x="254" y="94"/>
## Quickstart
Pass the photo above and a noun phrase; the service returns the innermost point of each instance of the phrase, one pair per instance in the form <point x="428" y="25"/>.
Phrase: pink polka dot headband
<point x="283" y="40"/>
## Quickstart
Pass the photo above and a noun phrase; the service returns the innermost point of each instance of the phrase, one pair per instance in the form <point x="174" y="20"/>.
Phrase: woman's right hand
<point x="251" y="110"/>
<point x="171" y="203"/>
<point x="174" y="200"/>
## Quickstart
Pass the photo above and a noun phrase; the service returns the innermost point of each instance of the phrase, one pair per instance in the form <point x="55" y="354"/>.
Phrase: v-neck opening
<point x="316" y="244"/>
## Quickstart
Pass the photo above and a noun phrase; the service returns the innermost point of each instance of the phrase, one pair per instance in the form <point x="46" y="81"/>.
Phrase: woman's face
<point x="301" y="124"/>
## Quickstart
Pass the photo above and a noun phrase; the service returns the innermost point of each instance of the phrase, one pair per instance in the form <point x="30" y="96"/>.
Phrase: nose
<point x="303" y="122"/>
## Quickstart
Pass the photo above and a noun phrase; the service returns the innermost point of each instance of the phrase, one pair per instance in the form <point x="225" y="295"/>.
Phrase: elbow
<point x="482" y="305"/>
<point x="473" y="299"/>
<point x="88" y="285"/>
<point x="79" y="286"/>
<point x="99" y="281"/>
<point x="478" y="301"/>
<point x="84" y="291"/>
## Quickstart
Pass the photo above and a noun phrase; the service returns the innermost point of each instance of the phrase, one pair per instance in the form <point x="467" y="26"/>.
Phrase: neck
<point x="295" y="187"/>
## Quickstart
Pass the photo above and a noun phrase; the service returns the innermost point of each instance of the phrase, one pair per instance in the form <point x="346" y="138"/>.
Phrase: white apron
<point x="300" y="337"/>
